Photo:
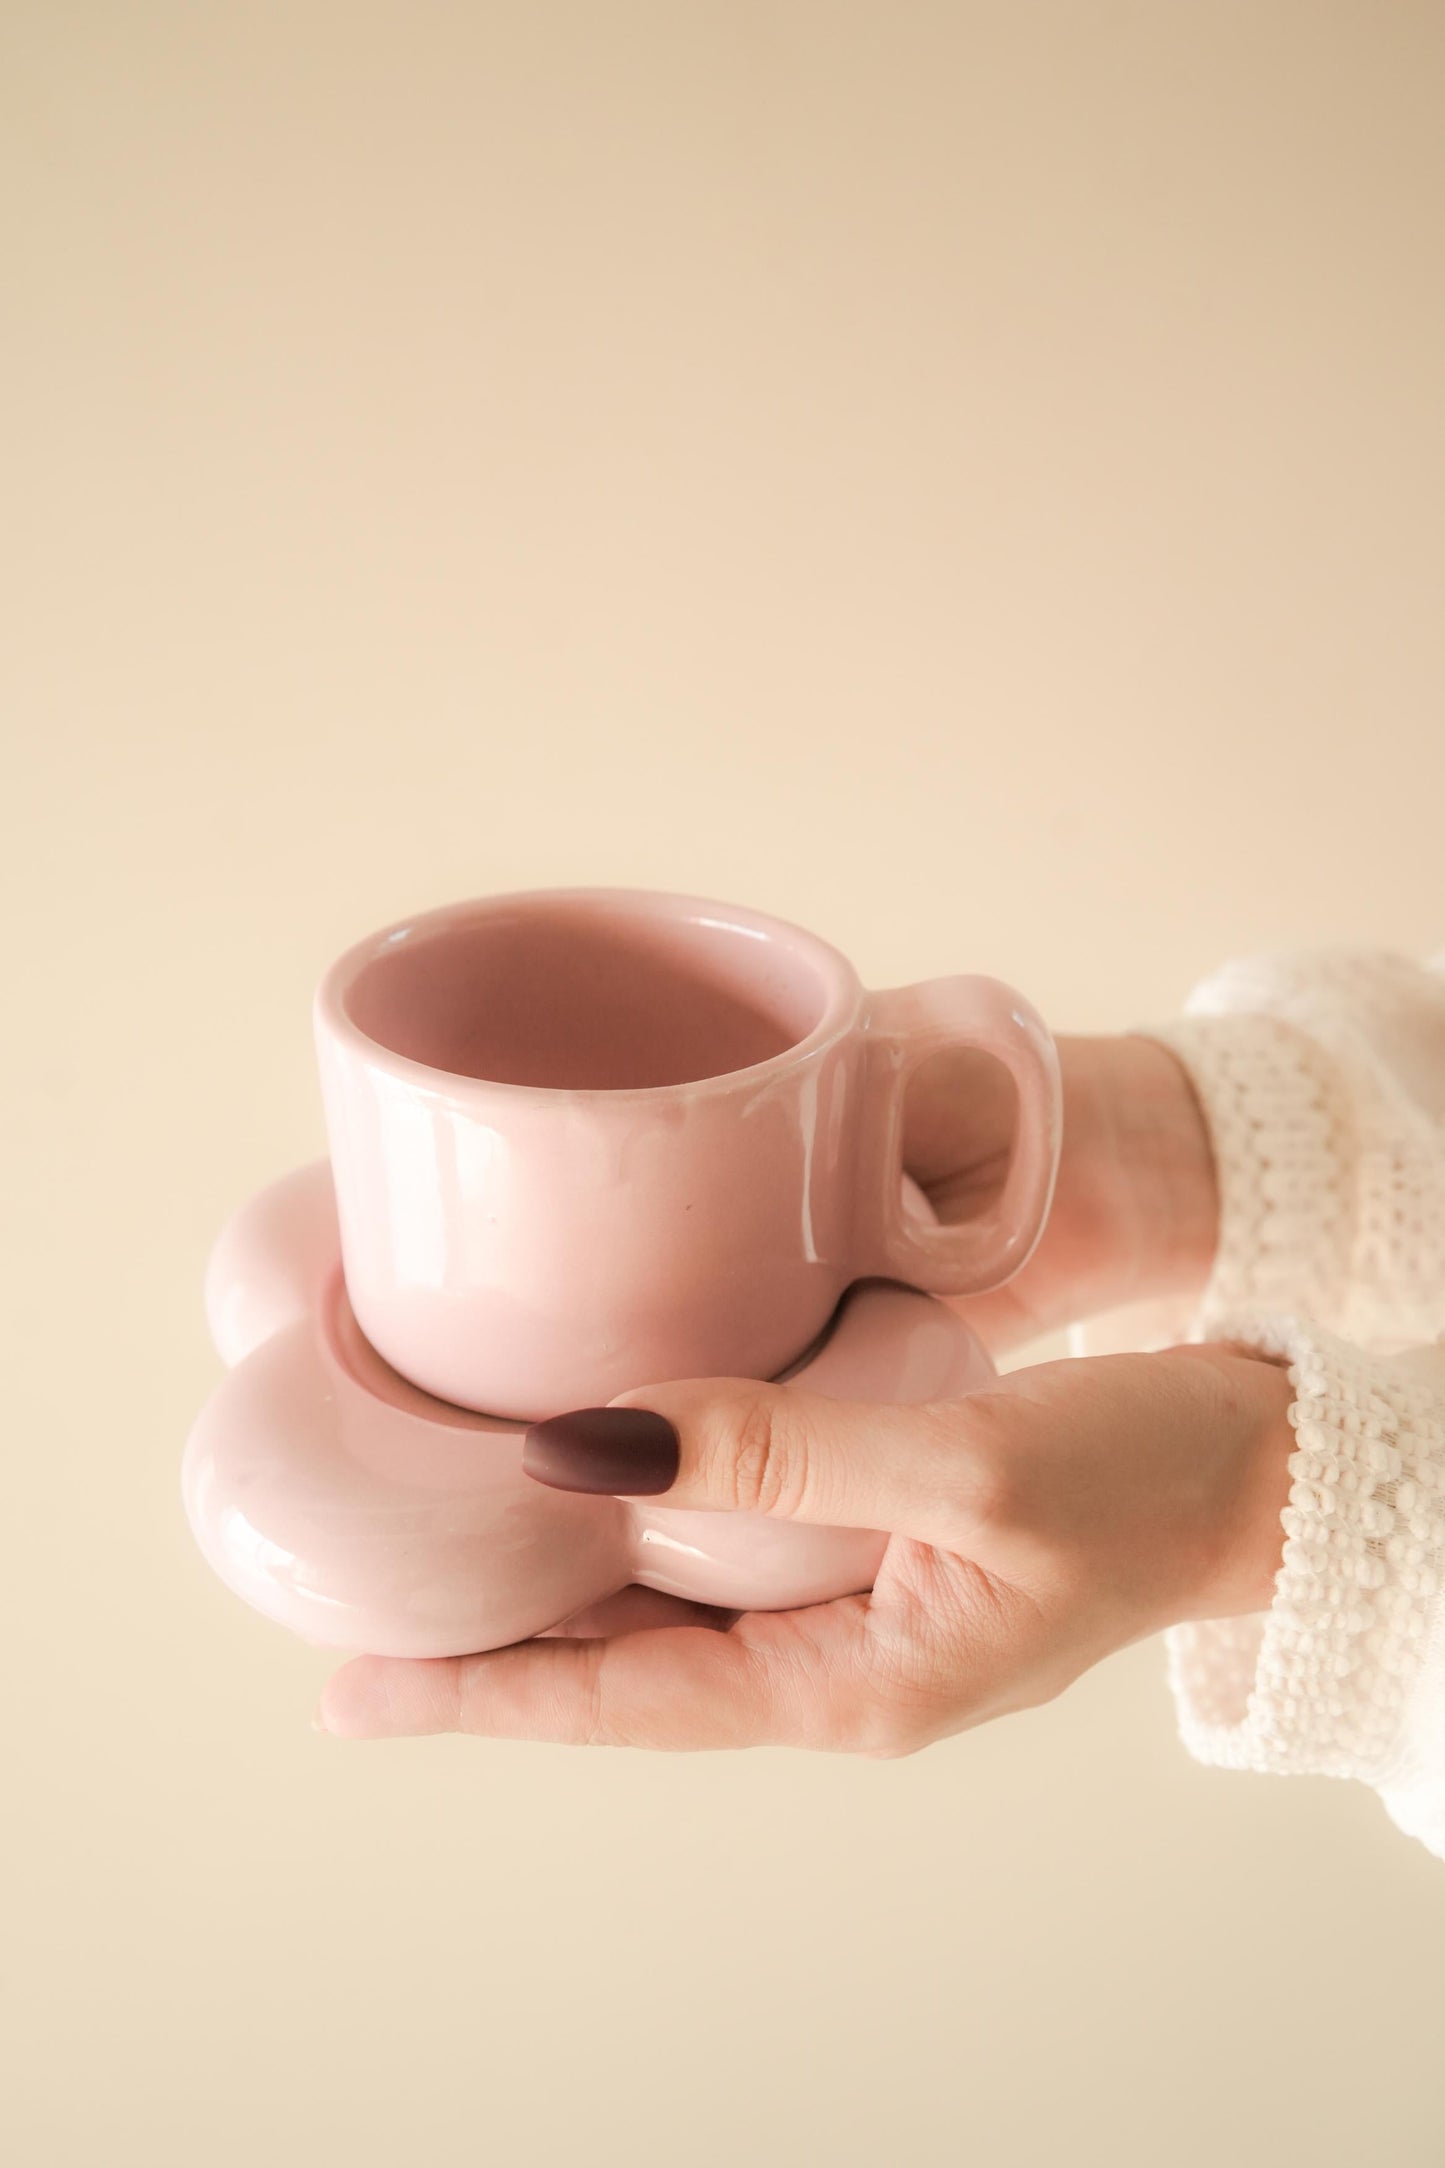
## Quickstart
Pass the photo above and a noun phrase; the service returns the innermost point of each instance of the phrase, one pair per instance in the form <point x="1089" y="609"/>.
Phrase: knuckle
<point x="764" y="1462"/>
<point x="591" y="1714"/>
<point x="987" y="1487"/>
<point x="990" y="1497"/>
<point x="896" y="1715"/>
<point x="887" y="1729"/>
<point x="552" y="1690"/>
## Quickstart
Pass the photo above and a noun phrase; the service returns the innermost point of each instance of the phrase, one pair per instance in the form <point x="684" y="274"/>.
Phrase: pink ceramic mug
<point x="586" y="1140"/>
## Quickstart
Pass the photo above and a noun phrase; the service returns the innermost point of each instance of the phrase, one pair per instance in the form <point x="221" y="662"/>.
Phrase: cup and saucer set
<point x="579" y="1142"/>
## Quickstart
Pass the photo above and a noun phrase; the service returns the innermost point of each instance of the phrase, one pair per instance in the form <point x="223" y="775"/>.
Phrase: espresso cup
<point x="586" y="1140"/>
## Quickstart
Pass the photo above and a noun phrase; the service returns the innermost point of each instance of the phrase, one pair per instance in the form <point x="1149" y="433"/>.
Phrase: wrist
<point x="1137" y="1170"/>
<point x="1243" y="1440"/>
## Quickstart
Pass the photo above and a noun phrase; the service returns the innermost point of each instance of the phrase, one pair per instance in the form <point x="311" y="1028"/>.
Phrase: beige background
<point x="968" y="477"/>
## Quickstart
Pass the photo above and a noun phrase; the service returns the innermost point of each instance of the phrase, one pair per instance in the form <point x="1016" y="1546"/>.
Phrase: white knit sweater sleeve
<point x="1323" y="1083"/>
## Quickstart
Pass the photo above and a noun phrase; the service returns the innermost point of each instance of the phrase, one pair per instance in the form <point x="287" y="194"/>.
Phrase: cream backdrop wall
<point x="967" y="477"/>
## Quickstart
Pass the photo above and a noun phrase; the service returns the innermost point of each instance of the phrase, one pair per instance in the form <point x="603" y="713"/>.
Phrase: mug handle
<point x="903" y="1028"/>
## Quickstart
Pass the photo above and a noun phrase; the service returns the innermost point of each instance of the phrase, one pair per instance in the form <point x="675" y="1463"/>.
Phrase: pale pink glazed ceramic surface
<point x="363" y="1514"/>
<point x="587" y="1138"/>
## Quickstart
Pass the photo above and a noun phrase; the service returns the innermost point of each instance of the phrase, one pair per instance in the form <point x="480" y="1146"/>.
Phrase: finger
<point x="736" y="1446"/>
<point x="959" y="1122"/>
<point x="638" y="1610"/>
<point x="785" y="1679"/>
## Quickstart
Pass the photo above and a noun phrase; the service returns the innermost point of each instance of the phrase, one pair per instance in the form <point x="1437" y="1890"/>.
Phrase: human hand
<point x="1135" y="1212"/>
<point x="1035" y="1527"/>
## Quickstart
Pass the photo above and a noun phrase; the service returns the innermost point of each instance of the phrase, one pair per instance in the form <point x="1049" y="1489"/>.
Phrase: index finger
<point x="777" y="1679"/>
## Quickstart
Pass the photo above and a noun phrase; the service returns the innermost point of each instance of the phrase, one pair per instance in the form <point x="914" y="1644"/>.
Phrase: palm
<point x="874" y="1674"/>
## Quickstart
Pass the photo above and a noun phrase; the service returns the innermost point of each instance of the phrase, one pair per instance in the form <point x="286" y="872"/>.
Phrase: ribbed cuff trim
<point x="1320" y="1682"/>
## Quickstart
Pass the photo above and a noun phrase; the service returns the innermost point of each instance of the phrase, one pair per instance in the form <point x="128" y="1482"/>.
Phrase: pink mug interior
<point x="593" y="994"/>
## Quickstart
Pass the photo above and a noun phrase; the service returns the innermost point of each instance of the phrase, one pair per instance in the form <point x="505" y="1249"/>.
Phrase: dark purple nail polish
<point x="627" y="1452"/>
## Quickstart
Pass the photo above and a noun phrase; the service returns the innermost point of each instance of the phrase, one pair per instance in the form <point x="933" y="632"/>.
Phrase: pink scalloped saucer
<point x="348" y="1505"/>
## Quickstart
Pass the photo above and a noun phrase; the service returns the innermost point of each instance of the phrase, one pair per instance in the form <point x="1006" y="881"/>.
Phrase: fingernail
<point x="627" y="1452"/>
<point x="318" y="1721"/>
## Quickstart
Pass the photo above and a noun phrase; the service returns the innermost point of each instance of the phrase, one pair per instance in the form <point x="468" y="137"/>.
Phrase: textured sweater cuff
<point x="1280" y="1121"/>
<point x="1322" y="1681"/>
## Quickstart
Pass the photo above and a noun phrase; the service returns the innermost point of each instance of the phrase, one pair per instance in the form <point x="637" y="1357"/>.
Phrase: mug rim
<point x="843" y="994"/>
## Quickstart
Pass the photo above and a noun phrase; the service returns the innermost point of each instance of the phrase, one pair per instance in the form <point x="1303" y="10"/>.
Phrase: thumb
<point x="736" y="1446"/>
